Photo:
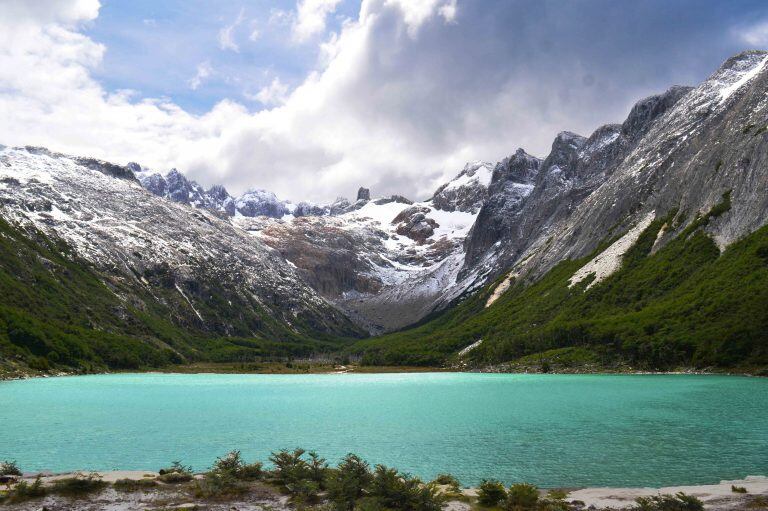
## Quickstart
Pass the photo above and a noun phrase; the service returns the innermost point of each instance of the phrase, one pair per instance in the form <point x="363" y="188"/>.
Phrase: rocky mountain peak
<point x="645" y="111"/>
<point x="364" y="194"/>
<point x="467" y="191"/>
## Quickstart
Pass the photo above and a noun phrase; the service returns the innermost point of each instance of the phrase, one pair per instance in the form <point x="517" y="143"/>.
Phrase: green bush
<point x="134" y="484"/>
<point x="9" y="468"/>
<point x="176" y="473"/>
<point x="175" y="477"/>
<point x="448" y="480"/>
<point x="522" y="497"/>
<point x="219" y="484"/>
<point x="25" y="491"/>
<point x="347" y="482"/>
<point x="290" y="466"/>
<point x="79" y="485"/>
<point x="318" y="468"/>
<point x="738" y="489"/>
<point x="677" y="502"/>
<point x="395" y="490"/>
<point x="490" y="492"/>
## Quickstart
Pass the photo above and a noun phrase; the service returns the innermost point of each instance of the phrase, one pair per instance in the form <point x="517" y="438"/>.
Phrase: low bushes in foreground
<point x="490" y="492"/>
<point x="134" y="484"/>
<point x="79" y="485"/>
<point x="353" y="485"/>
<point x="175" y="474"/>
<point x="25" y="491"/>
<point x="677" y="502"/>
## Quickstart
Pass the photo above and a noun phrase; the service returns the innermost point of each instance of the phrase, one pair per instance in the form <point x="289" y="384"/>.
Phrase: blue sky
<point x="314" y="98"/>
<point x="155" y="47"/>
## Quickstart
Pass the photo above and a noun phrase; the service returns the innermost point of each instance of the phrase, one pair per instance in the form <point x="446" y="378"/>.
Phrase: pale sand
<point x="712" y="495"/>
<point x="108" y="476"/>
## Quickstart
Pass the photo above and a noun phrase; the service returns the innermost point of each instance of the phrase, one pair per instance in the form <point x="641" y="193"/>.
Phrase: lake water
<point x="550" y="430"/>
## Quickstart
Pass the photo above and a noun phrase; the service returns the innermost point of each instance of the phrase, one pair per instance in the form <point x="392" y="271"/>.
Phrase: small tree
<point x="522" y="497"/>
<point x="490" y="492"/>
<point x="290" y="467"/>
<point x="317" y="469"/>
<point x="346" y="483"/>
<point x="231" y="462"/>
<point x="9" y="468"/>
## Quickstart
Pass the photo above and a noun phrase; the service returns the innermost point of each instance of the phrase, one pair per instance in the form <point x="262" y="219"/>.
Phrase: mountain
<point x="644" y="242"/>
<point x="168" y="272"/>
<point x="641" y="245"/>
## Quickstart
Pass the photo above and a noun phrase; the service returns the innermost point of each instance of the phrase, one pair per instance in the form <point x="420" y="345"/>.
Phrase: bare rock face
<point x="413" y="223"/>
<point x="680" y="150"/>
<point x="363" y="194"/>
<point x="466" y="192"/>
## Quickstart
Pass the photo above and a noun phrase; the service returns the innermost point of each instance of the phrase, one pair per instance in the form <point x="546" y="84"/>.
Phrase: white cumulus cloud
<point x="311" y="17"/>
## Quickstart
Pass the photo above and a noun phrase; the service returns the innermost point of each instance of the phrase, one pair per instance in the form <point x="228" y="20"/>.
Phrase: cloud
<point x="400" y="98"/>
<point x="275" y="93"/>
<point x="310" y="18"/>
<point x="227" y="33"/>
<point x="204" y="70"/>
<point x="755" y="35"/>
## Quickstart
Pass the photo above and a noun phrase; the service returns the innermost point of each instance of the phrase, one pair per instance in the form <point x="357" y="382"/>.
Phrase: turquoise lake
<point x="550" y="430"/>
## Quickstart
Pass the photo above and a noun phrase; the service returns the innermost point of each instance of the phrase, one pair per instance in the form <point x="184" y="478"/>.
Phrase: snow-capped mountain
<point x="214" y="277"/>
<point x="387" y="262"/>
<point x="683" y="152"/>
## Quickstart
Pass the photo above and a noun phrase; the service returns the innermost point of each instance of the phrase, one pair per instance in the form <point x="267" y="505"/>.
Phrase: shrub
<point x="554" y="501"/>
<point x="317" y="469"/>
<point x="677" y="502"/>
<point x="395" y="490"/>
<point x="522" y="497"/>
<point x="738" y="489"/>
<point x="176" y="473"/>
<point x="290" y="467"/>
<point x="24" y="491"/>
<point x="217" y="484"/>
<point x="134" y="484"/>
<point x="448" y="480"/>
<point x="175" y="477"/>
<point x="79" y="485"/>
<point x="232" y="462"/>
<point x="9" y="468"/>
<point x="251" y="471"/>
<point x="490" y="492"/>
<point x="304" y="492"/>
<point x="346" y="484"/>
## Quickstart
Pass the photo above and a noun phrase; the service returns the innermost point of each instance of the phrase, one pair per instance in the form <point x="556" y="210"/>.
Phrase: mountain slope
<point x="170" y="270"/>
<point x="692" y="163"/>
<point x="685" y="305"/>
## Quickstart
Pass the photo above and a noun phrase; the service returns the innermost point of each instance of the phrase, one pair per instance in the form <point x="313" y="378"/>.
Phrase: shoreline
<point x="377" y="370"/>
<point x="715" y="496"/>
<point x="308" y="367"/>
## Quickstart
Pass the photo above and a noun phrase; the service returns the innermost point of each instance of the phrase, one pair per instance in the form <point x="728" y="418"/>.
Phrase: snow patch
<point x="726" y="92"/>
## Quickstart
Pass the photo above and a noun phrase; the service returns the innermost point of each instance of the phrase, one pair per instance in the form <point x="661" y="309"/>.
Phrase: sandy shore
<point x="716" y="497"/>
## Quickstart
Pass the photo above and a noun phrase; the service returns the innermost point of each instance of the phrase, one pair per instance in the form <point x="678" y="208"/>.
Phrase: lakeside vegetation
<point x="310" y="482"/>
